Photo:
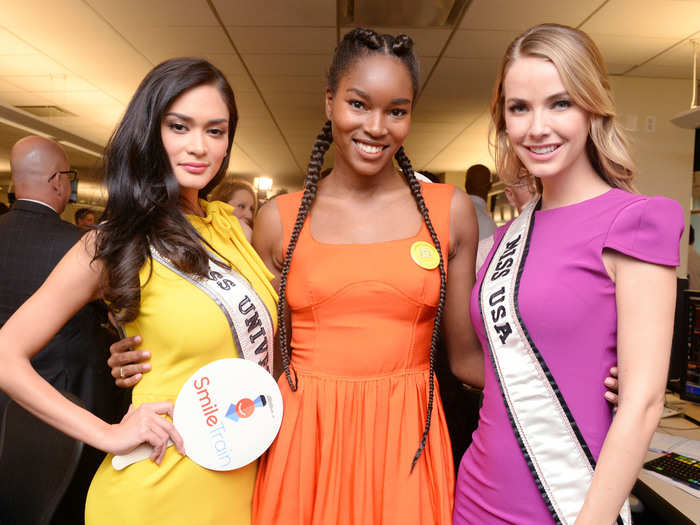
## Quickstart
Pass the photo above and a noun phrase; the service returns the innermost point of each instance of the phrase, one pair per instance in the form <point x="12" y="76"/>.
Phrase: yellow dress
<point x="183" y="329"/>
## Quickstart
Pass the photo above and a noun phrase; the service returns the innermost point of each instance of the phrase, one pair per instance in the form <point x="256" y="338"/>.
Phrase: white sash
<point x="554" y="449"/>
<point x="247" y="316"/>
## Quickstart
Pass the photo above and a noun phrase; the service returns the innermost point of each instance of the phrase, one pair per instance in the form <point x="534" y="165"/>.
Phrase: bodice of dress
<point x="364" y="309"/>
<point x="180" y="325"/>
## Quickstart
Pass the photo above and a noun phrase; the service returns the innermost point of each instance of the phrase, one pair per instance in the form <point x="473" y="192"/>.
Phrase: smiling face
<point x="243" y="204"/>
<point x="194" y="130"/>
<point x="546" y="129"/>
<point x="371" y="113"/>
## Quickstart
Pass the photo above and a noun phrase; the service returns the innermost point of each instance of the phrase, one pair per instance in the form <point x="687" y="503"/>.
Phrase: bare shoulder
<point x="268" y="222"/>
<point x="268" y="234"/>
<point x="86" y="249"/>
<point x="463" y="223"/>
<point x="461" y="206"/>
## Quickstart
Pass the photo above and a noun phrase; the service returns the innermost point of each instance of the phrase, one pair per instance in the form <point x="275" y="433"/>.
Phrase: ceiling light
<point x="45" y="111"/>
<point x="407" y="13"/>
<point x="262" y="183"/>
<point x="691" y="119"/>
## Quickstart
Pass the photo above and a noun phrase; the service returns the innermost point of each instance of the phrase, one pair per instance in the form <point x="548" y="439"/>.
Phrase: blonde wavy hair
<point x="582" y="71"/>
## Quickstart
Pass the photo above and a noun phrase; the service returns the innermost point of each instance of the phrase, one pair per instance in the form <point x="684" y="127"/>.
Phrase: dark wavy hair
<point x="144" y="195"/>
<point x="357" y="44"/>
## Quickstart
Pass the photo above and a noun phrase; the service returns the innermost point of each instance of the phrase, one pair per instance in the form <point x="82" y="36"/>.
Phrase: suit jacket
<point x="33" y="239"/>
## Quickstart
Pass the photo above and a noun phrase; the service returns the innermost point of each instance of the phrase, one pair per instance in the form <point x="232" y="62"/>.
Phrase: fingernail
<point x="609" y="381"/>
<point x="146" y="354"/>
<point x="137" y="338"/>
<point x="147" y="366"/>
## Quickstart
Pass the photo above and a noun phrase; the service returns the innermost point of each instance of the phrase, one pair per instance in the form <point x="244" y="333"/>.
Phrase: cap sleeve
<point x="648" y="229"/>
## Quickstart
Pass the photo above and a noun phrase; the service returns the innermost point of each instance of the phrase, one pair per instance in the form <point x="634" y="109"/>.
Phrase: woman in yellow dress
<point x="171" y="147"/>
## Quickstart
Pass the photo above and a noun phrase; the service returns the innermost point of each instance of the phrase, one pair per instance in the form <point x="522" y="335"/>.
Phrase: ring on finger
<point x="121" y="372"/>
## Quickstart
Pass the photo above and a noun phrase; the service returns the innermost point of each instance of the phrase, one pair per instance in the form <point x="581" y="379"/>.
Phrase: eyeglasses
<point x="71" y="174"/>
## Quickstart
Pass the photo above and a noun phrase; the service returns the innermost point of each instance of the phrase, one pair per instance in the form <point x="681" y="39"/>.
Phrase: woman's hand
<point x="128" y="365"/>
<point x="145" y="424"/>
<point x="612" y="386"/>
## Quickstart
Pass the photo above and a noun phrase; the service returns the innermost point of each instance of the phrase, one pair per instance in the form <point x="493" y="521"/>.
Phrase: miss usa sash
<point x="248" y="318"/>
<point x="559" y="459"/>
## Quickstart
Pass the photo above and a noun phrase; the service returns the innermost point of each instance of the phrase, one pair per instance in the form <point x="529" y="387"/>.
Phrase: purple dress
<point x="567" y="302"/>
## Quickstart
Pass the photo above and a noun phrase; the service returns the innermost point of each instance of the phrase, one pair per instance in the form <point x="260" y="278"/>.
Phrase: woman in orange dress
<point x="362" y="259"/>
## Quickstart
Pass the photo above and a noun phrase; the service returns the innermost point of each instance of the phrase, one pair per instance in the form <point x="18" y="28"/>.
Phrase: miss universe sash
<point x="559" y="459"/>
<point x="248" y="318"/>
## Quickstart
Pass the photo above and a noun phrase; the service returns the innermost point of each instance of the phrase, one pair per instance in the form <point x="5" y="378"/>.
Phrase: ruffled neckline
<point x="216" y="213"/>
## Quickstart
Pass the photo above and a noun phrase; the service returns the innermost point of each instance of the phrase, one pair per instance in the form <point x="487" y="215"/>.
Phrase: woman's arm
<point x="73" y="283"/>
<point x="463" y="349"/>
<point x="267" y="241"/>
<point x="646" y="295"/>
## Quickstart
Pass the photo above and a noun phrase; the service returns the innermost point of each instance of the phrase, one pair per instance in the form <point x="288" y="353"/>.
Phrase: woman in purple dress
<point x="582" y="279"/>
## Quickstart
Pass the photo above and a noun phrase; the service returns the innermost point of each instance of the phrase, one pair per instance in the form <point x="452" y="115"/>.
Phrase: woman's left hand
<point x="128" y="365"/>
<point x="612" y="386"/>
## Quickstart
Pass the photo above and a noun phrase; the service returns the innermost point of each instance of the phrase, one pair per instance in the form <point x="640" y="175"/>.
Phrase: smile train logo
<point x="245" y="407"/>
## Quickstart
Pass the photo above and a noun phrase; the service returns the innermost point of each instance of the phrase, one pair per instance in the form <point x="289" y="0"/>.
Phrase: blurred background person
<point x="478" y="183"/>
<point x="522" y="192"/>
<point x="242" y="196"/>
<point x="85" y="218"/>
<point x="518" y="195"/>
<point x="33" y="239"/>
<point x="693" y="262"/>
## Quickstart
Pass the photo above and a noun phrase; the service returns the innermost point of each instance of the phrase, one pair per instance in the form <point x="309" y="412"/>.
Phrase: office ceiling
<point x="88" y="56"/>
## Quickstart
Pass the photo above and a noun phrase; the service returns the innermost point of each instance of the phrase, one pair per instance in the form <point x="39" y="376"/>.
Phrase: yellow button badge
<point x="425" y="255"/>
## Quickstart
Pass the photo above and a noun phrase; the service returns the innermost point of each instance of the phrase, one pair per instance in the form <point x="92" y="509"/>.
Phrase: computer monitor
<point x="690" y="358"/>
<point x="679" y="346"/>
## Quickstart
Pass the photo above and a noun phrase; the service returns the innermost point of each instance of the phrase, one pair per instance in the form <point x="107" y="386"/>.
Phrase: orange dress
<point x="362" y="318"/>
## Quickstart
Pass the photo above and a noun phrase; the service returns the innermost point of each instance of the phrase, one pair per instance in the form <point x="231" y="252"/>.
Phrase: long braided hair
<point x="355" y="45"/>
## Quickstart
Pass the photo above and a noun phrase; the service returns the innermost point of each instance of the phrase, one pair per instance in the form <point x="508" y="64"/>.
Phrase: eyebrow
<point x="561" y="94"/>
<point x="190" y="119"/>
<point x="394" y="101"/>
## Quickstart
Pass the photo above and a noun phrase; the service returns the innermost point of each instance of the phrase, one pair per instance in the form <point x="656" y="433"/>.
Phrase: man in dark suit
<point x="33" y="239"/>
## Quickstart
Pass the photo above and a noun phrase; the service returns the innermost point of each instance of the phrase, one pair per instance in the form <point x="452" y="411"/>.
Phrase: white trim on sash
<point x="248" y="318"/>
<point x="554" y="449"/>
